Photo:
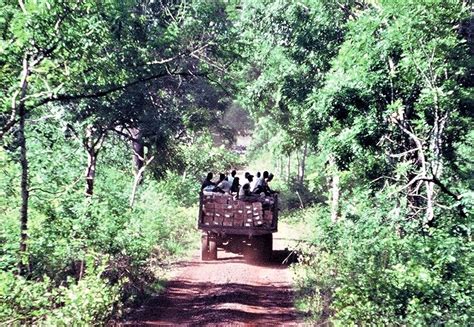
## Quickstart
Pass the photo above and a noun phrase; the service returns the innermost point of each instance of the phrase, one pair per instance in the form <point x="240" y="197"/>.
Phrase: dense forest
<point x="109" y="116"/>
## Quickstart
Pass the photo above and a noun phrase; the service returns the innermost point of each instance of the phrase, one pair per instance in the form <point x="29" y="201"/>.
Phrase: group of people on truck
<point x="230" y="184"/>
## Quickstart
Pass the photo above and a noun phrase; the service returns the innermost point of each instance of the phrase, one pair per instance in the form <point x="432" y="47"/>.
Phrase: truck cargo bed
<point x="222" y="214"/>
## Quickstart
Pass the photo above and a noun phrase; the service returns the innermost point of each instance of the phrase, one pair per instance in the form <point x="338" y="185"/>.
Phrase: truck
<point x="237" y="226"/>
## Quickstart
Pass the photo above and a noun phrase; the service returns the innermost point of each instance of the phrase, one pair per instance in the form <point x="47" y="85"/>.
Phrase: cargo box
<point x="221" y="213"/>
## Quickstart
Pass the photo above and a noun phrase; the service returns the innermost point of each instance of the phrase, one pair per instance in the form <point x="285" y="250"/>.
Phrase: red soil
<point x="228" y="291"/>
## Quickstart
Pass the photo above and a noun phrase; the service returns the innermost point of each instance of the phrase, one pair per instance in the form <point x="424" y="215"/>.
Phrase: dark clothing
<point x="207" y="183"/>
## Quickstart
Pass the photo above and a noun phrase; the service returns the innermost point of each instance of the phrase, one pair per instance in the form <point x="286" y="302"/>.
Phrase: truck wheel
<point x="212" y="248"/>
<point x="257" y="250"/>
<point x="204" y="247"/>
<point x="260" y="250"/>
<point x="250" y="251"/>
<point x="267" y="247"/>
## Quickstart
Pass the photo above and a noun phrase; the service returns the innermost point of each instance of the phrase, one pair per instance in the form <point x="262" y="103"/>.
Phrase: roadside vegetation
<point x="110" y="115"/>
<point x="91" y="259"/>
<point x="366" y="111"/>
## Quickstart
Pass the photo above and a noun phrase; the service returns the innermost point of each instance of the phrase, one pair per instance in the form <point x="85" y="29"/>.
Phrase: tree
<point x="288" y="50"/>
<point x="61" y="65"/>
<point x="396" y="99"/>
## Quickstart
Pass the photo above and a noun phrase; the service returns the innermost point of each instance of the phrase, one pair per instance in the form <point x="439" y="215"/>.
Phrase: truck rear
<point x="237" y="226"/>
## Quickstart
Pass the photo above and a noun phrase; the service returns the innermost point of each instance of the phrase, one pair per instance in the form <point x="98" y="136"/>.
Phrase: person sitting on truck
<point x="247" y="195"/>
<point x="268" y="190"/>
<point x="223" y="185"/>
<point x="234" y="189"/>
<point x="261" y="184"/>
<point x="254" y="183"/>
<point x="208" y="185"/>
<point x="249" y="178"/>
<point x="231" y="177"/>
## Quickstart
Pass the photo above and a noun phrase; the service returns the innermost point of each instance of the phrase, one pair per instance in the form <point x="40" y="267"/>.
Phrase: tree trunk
<point x="298" y="165"/>
<point x="281" y="167"/>
<point x="23" y="263"/>
<point x="335" y="197"/>
<point x="303" y="161"/>
<point x="92" y="147"/>
<point x="289" y="167"/>
<point x="183" y="178"/>
<point x="138" y="178"/>
<point x="90" y="172"/>
<point x="335" y="191"/>
<point x="24" y="190"/>
<point x="138" y="150"/>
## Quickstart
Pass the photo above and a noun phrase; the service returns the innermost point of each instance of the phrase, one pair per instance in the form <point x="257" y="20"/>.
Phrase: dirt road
<point x="226" y="291"/>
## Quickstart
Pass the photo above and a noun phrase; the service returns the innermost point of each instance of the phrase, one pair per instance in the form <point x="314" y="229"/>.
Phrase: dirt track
<point x="226" y="291"/>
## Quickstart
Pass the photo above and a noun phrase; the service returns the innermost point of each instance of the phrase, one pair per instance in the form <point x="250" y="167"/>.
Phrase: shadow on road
<point x="280" y="259"/>
<point x="284" y="257"/>
<point x="207" y="303"/>
<point x="200" y="299"/>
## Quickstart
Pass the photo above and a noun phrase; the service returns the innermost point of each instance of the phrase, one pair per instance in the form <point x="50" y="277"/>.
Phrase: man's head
<point x="270" y="177"/>
<point x="233" y="173"/>
<point x="258" y="174"/>
<point x="209" y="176"/>
<point x="265" y="174"/>
<point x="249" y="176"/>
<point x="221" y="177"/>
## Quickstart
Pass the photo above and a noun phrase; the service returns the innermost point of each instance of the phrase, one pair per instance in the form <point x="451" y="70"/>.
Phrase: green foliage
<point x="374" y="268"/>
<point x="379" y="93"/>
<point x="39" y="302"/>
<point x="65" y="228"/>
<point x="288" y="50"/>
<point x="158" y="227"/>
<point x="385" y="113"/>
<point x="202" y="157"/>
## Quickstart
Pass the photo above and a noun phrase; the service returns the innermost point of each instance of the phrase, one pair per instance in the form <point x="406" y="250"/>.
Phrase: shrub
<point x="117" y="245"/>
<point x="88" y="301"/>
<point x="373" y="268"/>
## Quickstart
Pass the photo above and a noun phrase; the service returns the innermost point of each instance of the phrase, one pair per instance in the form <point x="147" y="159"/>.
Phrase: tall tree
<point x="391" y="95"/>
<point x="87" y="51"/>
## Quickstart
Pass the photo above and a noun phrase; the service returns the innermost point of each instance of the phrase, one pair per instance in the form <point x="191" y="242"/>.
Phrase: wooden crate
<point x="208" y="219"/>
<point x="208" y="207"/>
<point x="218" y="220"/>
<point x="237" y="222"/>
<point x="258" y="223"/>
<point x="222" y="210"/>
<point x="268" y="216"/>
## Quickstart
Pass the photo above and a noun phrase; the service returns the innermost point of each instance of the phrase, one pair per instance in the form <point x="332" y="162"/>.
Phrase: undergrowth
<point x="373" y="268"/>
<point x="89" y="261"/>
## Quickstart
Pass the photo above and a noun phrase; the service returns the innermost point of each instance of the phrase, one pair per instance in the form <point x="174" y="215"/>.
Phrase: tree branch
<point x="101" y="93"/>
<point x="443" y="187"/>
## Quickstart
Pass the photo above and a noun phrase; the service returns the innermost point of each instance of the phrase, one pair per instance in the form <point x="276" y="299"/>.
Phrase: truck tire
<point x="250" y="251"/>
<point x="204" y="247"/>
<point x="259" y="250"/>
<point x="266" y="249"/>
<point x="212" y="248"/>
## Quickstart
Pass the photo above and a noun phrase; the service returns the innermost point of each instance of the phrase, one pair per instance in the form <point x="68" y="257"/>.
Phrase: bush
<point x="373" y="268"/>
<point x="118" y="245"/>
<point x="88" y="301"/>
<point x="296" y="193"/>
